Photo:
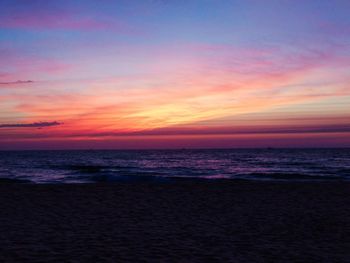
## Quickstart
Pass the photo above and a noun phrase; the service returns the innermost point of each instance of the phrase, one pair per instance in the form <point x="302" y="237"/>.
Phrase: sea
<point x="95" y="166"/>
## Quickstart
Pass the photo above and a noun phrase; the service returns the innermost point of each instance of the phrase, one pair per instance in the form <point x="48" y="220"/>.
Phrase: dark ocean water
<point x="167" y="165"/>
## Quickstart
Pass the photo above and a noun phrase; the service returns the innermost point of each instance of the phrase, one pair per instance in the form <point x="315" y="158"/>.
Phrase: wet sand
<point x="222" y="221"/>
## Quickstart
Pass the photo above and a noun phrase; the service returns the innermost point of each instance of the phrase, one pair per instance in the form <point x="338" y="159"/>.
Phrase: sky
<point x="109" y="74"/>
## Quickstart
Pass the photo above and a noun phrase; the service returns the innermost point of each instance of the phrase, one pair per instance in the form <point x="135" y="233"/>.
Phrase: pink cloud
<point x="269" y="60"/>
<point x="24" y="66"/>
<point x="335" y="29"/>
<point x="51" y="20"/>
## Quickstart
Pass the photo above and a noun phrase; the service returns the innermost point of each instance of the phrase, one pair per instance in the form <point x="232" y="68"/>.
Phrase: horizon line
<point x="181" y="149"/>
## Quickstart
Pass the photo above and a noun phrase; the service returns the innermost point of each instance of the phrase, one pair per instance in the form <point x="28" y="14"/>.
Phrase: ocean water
<point x="165" y="165"/>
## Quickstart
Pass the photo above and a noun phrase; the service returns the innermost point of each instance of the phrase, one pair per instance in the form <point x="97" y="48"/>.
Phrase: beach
<point x="180" y="221"/>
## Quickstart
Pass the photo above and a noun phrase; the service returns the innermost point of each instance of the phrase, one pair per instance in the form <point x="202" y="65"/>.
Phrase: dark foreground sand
<point x="176" y="222"/>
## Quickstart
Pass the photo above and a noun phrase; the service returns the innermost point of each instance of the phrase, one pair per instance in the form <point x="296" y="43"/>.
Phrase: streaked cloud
<point x="31" y="125"/>
<point x="16" y="82"/>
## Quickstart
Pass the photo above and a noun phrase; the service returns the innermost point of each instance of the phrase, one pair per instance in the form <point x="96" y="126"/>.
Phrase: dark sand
<point x="221" y="221"/>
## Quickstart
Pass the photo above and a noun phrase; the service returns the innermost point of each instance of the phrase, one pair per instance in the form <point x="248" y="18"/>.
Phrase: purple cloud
<point x="16" y="82"/>
<point x="31" y="125"/>
<point x="65" y="20"/>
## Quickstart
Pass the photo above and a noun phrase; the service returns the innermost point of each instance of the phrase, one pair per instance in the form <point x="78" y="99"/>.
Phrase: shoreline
<point x="218" y="221"/>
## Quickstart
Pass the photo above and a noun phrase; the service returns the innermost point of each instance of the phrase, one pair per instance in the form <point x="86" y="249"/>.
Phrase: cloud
<point x="267" y="129"/>
<point x="287" y="130"/>
<point x="46" y="19"/>
<point x="16" y="82"/>
<point x="185" y="131"/>
<point x="31" y="125"/>
<point x="184" y="87"/>
<point x="23" y="66"/>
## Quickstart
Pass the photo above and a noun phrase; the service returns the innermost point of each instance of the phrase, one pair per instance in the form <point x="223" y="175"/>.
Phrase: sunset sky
<point x="174" y="74"/>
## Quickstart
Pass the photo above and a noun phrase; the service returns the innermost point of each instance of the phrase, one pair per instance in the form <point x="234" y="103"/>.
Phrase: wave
<point x="118" y="173"/>
<point x="86" y="168"/>
<point x="291" y="176"/>
<point x="116" y="166"/>
<point x="153" y="177"/>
